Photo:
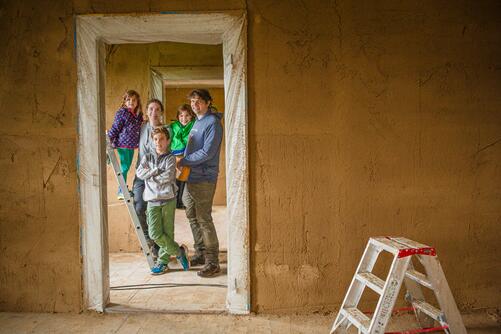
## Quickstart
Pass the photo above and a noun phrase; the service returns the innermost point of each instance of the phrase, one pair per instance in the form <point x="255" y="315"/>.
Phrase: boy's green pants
<point x="161" y="229"/>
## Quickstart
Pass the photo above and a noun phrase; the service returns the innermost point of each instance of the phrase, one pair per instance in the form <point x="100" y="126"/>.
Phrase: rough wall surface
<point x="365" y="119"/>
<point x="378" y="119"/>
<point x="39" y="232"/>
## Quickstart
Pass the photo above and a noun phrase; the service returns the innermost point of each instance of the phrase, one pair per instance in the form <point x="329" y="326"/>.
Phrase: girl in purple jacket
<point x="125" y="131"/>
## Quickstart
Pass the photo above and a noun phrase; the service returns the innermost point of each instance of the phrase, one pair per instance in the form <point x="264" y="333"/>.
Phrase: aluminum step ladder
<point x="129" y="201"/>
<point x="401" y="270"/>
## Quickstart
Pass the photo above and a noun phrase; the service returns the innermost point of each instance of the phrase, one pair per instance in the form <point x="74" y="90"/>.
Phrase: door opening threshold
<point x="193" y="309"/>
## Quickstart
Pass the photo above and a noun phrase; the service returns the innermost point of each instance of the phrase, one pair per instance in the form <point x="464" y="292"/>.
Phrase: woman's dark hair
<point x="157" y="101"/>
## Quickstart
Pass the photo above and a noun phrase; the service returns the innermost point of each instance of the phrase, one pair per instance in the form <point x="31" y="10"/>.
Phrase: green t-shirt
<point x="180" y="135"/>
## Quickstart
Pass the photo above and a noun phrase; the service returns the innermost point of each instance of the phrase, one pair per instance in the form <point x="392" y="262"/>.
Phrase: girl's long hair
<point x="131" y="93"/>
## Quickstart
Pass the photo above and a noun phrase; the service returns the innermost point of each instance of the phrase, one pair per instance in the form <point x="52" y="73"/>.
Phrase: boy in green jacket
<point x="180" y="130"/>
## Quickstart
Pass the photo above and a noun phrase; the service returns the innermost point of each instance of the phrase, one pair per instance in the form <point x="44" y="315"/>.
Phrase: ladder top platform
<point x="402" y="247"/>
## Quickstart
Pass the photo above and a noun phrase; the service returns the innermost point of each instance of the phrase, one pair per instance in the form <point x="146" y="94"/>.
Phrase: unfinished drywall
<point x="365" y="119"/>
<point x="128" y="67"/>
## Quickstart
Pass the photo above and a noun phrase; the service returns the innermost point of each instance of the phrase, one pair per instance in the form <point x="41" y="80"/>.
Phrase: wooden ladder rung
<point x="429" y="310"/>
<point x="372" y="281"/>
<point x="357" y="318"/>
<point x="419" y="277"/>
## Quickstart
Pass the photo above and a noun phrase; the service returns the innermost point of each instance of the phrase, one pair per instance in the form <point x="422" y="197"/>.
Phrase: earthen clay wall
<point x="365" y="118"/>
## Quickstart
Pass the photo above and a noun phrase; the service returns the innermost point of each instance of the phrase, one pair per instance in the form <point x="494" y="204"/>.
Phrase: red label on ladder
<point x="417" y="251"/>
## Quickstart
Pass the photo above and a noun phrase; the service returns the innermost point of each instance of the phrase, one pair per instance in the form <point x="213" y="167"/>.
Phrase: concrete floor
<point x="479" y="323"/>
<point x="132" y="269"/>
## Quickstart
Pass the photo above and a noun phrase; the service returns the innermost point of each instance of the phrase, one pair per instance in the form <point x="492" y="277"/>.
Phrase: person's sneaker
<point x="120" y="196"/>
<point x="159" y="269"/>
<point x="183" y="257"/>
<point x="197" y="260"/>
<point x="209" y="270"/>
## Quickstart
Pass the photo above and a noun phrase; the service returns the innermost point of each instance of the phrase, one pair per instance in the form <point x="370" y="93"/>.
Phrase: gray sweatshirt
<point x="159" y="175"/>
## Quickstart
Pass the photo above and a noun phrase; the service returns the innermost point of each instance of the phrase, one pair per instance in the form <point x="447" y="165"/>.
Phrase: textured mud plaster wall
<point x="39" y="242"/>
<point x="365" y="119"/>
<point x="372" y="119"/>
<point x="128" y="67"/>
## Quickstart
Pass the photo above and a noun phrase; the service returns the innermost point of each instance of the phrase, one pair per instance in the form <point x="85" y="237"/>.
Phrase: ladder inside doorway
<point x="129" y="201"/>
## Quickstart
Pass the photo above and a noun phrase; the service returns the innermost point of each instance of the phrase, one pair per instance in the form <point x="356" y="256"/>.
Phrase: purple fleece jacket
<point x="126" y="128"/>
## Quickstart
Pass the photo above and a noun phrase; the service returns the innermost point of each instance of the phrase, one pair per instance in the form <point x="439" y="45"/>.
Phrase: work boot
<point x="197" y="260"/>
<point x="209" y="270"/>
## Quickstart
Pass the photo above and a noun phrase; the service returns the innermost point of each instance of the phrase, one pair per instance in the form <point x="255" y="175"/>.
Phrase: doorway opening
<point x="93" y="34"/>
<point x="180" y="68"/>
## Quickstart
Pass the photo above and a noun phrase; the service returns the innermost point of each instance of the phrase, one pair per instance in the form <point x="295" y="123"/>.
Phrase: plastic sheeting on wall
<point x="156" y="86"/>
<point x="228" y="28"/>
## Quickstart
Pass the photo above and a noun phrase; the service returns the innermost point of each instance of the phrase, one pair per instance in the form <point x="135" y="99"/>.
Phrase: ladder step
<point x="372" y="281"/>
<point x="357" y="318"/>
<point x="387" y="244"/>
<point x="409" y="243"/>
<point x="428" y="309"/>
<point x="419" y="277"/>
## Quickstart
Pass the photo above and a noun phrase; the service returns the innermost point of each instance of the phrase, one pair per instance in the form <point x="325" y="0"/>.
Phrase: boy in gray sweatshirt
<point x="158" y="170"/>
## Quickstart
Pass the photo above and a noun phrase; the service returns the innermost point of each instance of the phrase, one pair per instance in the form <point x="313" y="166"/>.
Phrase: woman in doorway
<point x="154" y="111"/>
